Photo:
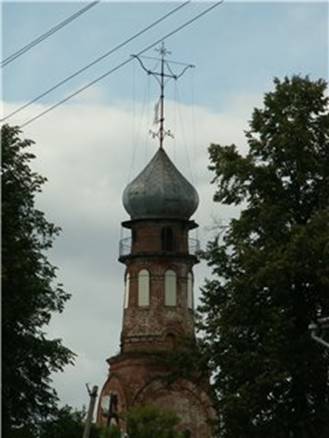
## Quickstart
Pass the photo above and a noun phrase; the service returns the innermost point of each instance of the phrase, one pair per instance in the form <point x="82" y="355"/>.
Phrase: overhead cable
<point x="47" y="34"/>
<point x="100" y="58"/>
<point x="117" y="67"/>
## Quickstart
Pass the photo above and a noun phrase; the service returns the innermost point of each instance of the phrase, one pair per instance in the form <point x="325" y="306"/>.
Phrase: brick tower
<point x="158" y="299"/>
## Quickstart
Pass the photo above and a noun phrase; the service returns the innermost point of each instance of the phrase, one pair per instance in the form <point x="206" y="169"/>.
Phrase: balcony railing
<point x="194" y="247"/>
<point x="125" y="247"/>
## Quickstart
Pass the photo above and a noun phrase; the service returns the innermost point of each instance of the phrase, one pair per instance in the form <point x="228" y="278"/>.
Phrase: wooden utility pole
<point x="93" y="396"/>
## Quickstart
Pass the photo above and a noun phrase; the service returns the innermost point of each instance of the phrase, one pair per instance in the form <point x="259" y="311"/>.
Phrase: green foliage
<point x="63" y="423"/>
<point x="112" y="432"/>
<point x="29" y="295"/>
<point x="147" y="421"/>
<point x="271" y="270"/>
<point x="151" y="422"/>
<point x="188" y="360"/>
<point x="67" y="423"/>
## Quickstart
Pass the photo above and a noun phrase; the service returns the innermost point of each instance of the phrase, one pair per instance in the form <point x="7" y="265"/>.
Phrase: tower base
<point x="137" y="379"/>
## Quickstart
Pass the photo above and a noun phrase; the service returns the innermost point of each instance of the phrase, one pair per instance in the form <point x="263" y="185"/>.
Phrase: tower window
<point x="171" y="340"/>
<point x="134" y="235"/>
<point x="144" y="288"/>
<point x="167" y="239"/>
<point x="170" y="288"/>
<point x="105" y="405"/>
<point x="190" y="290"/>
<point x="127" y="288"/>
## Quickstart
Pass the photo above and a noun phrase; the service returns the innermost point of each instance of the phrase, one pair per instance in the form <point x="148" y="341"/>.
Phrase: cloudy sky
<point x="93" y="145"/>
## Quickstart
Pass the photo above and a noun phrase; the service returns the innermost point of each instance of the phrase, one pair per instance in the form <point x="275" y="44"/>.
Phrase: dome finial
<point x="165" y="72"/>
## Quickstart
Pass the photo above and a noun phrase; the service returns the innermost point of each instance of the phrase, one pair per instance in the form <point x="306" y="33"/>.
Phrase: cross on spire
<point x="160" y="76"/>
<point x="162" y="50"/>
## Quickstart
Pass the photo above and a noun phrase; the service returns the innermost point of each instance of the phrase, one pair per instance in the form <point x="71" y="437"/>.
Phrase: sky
<point x="90" y="147"/>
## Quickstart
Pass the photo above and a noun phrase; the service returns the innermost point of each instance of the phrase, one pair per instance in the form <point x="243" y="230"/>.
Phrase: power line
<point x="117" y="67"/>
<point x="100" y="58"/>
<point x="47" y="34"/>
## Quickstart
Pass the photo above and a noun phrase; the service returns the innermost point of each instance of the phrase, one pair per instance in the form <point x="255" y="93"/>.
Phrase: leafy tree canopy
<point x="271" y="270"/>
<point x="29" y="293"/>
<point x="67" y="423"/>
<point x="151" y="422"/>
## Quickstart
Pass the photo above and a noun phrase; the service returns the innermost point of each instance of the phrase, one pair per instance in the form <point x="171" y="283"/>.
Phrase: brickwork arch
<point x="187" y="400"/>
<point x="170" y="287"/>
<point x="144" y="279"/>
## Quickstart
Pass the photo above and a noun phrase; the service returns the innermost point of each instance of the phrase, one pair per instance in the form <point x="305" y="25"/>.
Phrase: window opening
<point x="167" y="239"/>
<point x="144" y="288"/>
<point x="113" y="417"/>
<point x="170" y="288"/>
<point x="171" y="340"/>
<point x="127" y="289"/>
<point x="190" y="290"/>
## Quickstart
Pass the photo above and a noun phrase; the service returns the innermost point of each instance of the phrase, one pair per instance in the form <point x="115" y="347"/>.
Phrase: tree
<point x="29" y="293"/>
<point x="111" y="432"/>
<point x="151" y="422"/>
<point x="66" y="423"/>
<point x="271" y="270"/>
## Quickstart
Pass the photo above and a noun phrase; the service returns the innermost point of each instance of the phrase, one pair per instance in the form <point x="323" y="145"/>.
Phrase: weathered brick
<point x="136" y="375"/>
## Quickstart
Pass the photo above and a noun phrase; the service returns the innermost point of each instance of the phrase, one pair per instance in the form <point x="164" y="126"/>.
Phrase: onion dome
<point x="160" y="191"/>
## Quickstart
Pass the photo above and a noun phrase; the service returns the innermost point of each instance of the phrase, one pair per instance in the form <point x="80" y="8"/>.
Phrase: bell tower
<point x="159" y="279"/>
<point x="158" y="297"/>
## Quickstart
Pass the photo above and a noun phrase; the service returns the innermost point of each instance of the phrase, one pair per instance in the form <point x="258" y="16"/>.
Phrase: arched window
<point x="105" y="405"/>
<point x="170" y="288"/>
<point x="127" y="288"/>
<point x="144" y="288"/>
<point x="113" y="417"/>
<point x="171" y="340"/>
<point x="167" y="239"/>
<point x="190" y="290"/>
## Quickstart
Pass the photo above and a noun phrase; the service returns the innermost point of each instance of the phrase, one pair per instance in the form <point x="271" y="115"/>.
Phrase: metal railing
<point x="194" y="247"/>
<point x="125" y="246"/>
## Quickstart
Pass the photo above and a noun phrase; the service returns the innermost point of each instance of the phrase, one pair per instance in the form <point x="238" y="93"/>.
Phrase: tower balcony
<point x="194" y="247"/>
<point x="125" y="246"/>
<point x="126" y="249"/>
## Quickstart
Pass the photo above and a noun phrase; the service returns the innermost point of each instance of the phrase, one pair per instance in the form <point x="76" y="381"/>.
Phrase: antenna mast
<point x="165" y="73"/>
